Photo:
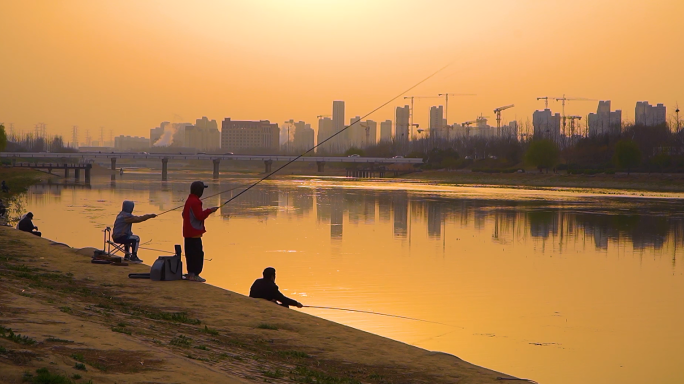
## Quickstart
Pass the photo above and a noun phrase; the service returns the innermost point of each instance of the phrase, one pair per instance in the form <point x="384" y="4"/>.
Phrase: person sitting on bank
<point x="4" y="187"/>
<point x="266" y="288"/>
<point x="26" y="225"/>
<point x="123" y="231"/>
<point x="3" y="209"/>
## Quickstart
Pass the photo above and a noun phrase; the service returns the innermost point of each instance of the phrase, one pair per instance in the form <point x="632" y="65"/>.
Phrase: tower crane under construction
<point x="498" y="117"/>
<point x="572" y="124"/>
<point x="467" y="126"/>
<point x="546" y="101"/>
<point x="416" y="97"/>
<point x="563" y="100"/>
<point x="446" y="108"/>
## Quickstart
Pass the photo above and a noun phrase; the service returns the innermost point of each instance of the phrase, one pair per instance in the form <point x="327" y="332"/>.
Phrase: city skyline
<point x="82" y="69"/>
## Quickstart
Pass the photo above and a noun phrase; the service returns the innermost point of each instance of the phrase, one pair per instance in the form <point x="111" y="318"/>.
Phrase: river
<point x="555" y="286"/>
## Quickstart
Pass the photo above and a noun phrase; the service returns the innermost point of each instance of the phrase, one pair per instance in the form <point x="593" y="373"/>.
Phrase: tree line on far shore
<point x="636" y="148"/>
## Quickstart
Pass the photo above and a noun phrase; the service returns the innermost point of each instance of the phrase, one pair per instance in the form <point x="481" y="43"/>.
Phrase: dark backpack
<point x="167" y="268"/>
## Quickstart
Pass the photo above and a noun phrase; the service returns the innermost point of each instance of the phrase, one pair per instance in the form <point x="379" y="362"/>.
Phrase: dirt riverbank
<point x="85" y="321"/>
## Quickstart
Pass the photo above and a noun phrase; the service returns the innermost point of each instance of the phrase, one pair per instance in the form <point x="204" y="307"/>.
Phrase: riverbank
<point x="634" y="182"/>
<point x="19" y="179"/>
<point x="72" y="317"/>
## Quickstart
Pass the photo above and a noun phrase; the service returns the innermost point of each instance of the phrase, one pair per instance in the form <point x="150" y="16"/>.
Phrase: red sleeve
<point x="198" y="212"/>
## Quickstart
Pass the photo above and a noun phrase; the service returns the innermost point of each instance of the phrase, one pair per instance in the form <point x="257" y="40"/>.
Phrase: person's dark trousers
<point x="128" y="242"/>
<point x="37" y="233"/>
<point x="194" y="254"/>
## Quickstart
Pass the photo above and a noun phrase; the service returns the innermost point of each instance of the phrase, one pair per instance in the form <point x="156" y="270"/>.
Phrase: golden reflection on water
<point x="559" y="287"/>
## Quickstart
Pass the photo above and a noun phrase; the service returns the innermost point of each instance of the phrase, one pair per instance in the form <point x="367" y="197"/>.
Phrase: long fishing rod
<point x="380" y="314"/>
<point x="335" y="134"/>
<point x="250" y="186"/>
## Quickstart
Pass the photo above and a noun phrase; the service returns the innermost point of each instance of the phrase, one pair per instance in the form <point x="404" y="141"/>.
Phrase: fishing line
<point x="335" y="134"/>
<point x="250" y="186"/>
<point x="166" y="252"/>
<point x="380" y="314"/>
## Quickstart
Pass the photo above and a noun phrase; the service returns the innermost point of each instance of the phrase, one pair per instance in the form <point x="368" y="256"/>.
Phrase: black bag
<point x="168" y="268"/>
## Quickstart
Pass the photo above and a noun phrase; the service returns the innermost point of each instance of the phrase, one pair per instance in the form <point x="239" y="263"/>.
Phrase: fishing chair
<point x="109" y="247"/>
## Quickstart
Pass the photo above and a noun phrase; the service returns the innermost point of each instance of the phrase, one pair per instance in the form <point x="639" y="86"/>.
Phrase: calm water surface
<point x="558" y="287"/>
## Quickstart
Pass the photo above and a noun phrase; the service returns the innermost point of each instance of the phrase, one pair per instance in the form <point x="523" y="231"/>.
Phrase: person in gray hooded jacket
<point x="123" y="231"/>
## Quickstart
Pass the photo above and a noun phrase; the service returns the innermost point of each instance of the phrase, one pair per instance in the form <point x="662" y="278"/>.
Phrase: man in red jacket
<point x="193" y="228"/>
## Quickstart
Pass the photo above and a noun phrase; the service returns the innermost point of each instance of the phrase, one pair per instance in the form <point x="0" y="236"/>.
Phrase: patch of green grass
<point x="43" y="376"/>
<point x="76" y="376"/>
<point x="122" y="324"/>
<point x="274" y="374"/>
<point x="210" y="331"/>
<point x="8" y="334"/>
<point x="121" y="330"/>
<point x="78" y="357"/>
<point x="97" y="365"/>
<point x="176" y="317"/>
<point x="80" y="366"/>
<point x="65" y="309"/>
<point x="267" y="326"/>
<point x="56" y="340"/>
<point x="297" y="354"/>
<point x="305" y="375"/>
<point x="181" y="341"/>
<point x="3" y="349"/>
<point x="202" y="347"/>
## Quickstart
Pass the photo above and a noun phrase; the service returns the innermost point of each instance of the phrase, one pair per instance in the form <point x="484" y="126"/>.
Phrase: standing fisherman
<point x="193" y="228"/>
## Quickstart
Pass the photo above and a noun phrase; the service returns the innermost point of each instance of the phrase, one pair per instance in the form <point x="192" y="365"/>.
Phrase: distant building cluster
<point x="127" y="143"/>
<point x="604" y="121"/>
<point x="262" y="136"/>
<point x="649" y="115"/>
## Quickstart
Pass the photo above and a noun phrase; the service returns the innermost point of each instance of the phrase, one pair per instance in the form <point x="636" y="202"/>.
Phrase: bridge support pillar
<point x="165" y="169"/>
<point x="216" y="168"/>
<point x="66" y="171"/>
<point x="87" y="173"/>
<point x="320" y="165"/>
<point x="267" y="165"/>
<point x="77" y="174"/>
<point x="113" y="160"/>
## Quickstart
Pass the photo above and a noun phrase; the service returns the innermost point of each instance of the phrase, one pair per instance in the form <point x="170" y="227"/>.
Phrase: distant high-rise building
<point x="401" y="123"/>
<point x="437" y="122"/>
<point x="341" y="142"/>
<point x="386" y="130"/>
<point x="204" y="135"/>
<point x="249" y="136"/>
<point x="356" y="132"/>
<point x="325" y="130"/>
<point x="370" y="133"/>
<point x="649" y="115"/>
<point x="303" y="137"/>
<point x="546" y="125"/>
<point x="604" y="121"/>
<point x="126" y="143"/>
<point x="510" y="130"/>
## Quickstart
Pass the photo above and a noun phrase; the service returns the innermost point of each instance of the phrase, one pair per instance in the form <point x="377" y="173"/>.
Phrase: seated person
<point x="26" y="224"/>
<point x="4" y="187"/>
<point x="123" y="234"/>
<point x="266" y="288"/>
<point x="3" y="210"/>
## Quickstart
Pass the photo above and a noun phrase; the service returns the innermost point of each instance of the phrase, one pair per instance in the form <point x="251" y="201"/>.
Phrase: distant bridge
<point x="268" y="160"/>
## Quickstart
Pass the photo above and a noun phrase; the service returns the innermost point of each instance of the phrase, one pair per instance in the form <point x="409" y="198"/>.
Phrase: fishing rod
<point x="161" y="250"/>
<point x="252" y="185"/>
<point x="380" y="314"/>
<point x="335" y="134"/>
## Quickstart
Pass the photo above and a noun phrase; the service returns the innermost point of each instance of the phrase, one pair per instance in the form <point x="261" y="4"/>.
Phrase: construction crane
<point x="564" y="99"/>
<point x="546" y="101"/>
<point x="416" y="97"/>
<point x="467" y="126"/>
<point x="498" y="117"/>
<point x="572" y="124"/>
<point x="446" y="107"/>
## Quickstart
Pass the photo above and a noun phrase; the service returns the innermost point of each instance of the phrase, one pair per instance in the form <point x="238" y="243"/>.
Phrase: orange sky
<point x="128" y="65"/>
